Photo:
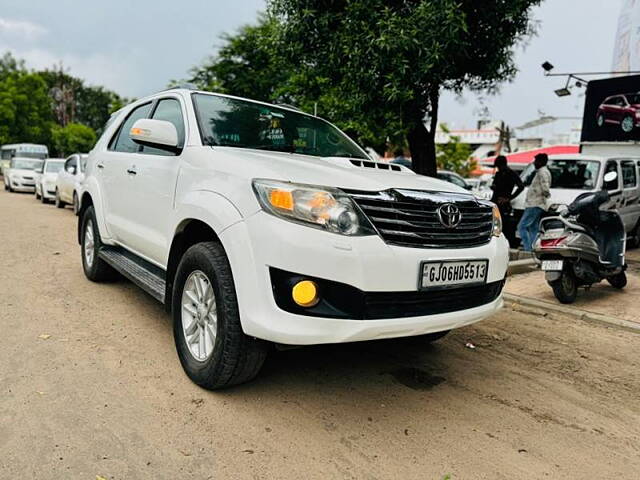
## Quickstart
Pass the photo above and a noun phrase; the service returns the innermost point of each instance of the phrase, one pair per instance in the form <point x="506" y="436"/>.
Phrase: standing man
<point x="504" y="181"/>
<point x="537" y="199"/>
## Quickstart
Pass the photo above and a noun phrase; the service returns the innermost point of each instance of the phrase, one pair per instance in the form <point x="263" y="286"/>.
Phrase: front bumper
<point x="262" y="242"/>
<point x="22" y="187"/>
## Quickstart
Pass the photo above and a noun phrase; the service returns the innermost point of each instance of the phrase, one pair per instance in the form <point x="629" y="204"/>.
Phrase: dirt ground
<point x="104" y="394"/>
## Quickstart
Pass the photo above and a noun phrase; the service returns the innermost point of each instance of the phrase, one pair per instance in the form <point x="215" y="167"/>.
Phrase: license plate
<point x="552" y="265"/>
<point x="453" y="273"/>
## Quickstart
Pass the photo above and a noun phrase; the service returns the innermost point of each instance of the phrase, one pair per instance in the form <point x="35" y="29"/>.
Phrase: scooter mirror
<point x="610" y="177"/>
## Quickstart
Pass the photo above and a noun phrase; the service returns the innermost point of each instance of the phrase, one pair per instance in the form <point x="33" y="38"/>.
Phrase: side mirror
<point x="71" y="170"/>
<point x="468" y="187"/>
<point x="156" y="134"/>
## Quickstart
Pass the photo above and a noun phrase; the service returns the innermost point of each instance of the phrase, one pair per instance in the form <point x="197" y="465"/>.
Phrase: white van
<point x="573" y="175"/>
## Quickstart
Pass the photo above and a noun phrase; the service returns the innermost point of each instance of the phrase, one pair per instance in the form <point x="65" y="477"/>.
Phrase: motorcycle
<point x="583" y="245"/>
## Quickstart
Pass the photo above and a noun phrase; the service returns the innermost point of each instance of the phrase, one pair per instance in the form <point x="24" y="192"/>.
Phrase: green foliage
<point x="247" y="65"/>
<point x="73" y="138"/>
<point x="455" y="156"/>
<point x="387" y="62"/>
<point x="25" y="108"/>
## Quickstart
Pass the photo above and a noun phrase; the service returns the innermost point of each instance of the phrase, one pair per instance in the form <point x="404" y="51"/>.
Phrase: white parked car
<point x="21" y="174"/>
<point x="573" y="175"/>
<point x="46" y="179"/>
<point x="258" y="224"/>
<point x="69" y="180"/>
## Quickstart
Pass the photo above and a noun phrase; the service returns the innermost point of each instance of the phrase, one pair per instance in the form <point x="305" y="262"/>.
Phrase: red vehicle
<point x="623" y="110"/>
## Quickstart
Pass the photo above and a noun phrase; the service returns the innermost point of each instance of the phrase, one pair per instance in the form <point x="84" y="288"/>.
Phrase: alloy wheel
<point x="89" y="244"/>
<point x="199" y="315"/>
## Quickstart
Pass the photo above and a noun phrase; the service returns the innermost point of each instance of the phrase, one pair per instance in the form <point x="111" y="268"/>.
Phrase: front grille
<point x="415" y="304"/>
<point x="409" y="218"/>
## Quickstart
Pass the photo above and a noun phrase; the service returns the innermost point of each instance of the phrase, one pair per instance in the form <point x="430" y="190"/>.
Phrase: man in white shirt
<point x="536" y="203"/>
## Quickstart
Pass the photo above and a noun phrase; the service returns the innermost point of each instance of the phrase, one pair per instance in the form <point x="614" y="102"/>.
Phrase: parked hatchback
<point x="46" y="179"/>
<point x="21" y="174"/>
<point x="69" y="181"/>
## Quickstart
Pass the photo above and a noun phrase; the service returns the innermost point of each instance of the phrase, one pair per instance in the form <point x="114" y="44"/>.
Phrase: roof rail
<point x="183" y="85"/>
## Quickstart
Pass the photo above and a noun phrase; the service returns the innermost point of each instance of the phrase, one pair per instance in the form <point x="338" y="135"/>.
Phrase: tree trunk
<point x="421" y="140"/>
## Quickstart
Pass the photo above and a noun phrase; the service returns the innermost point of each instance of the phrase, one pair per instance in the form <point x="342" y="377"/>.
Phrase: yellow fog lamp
<point x="305" y="293"/>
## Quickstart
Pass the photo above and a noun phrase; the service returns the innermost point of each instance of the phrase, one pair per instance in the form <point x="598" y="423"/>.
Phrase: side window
<point x="122" y="141"/>
<point x="71" y="165"/>
<point x="629" y="174"/>
<point x="612" y="166"/>
<point x="169" y="110"/>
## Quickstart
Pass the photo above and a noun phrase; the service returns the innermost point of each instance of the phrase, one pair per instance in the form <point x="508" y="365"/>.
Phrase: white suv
<point x="258" y="224"/>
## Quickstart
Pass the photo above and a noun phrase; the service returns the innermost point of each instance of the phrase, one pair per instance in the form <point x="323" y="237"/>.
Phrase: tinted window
<point x="238" y="123"/>
<point x="71" y="163"/>
<point x="629" y="174"/>
<point x="123" y="142"/>
<point x="574" y="174"/>
<point x="53" y="167"/>
<point x="612" y="166"/>
<point x="168" y="110"/>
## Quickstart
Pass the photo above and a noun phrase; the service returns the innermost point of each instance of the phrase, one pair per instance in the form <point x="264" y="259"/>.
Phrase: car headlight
<point x="497" y="222"/>
<point x="321" y="207"/>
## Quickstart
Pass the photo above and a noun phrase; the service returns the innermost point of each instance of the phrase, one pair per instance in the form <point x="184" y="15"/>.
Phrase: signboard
<point x="612" y="110"/>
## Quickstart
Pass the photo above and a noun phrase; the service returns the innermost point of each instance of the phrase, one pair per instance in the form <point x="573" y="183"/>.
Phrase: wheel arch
<point x="189" y="232"/>
<point x="85" y="202"/>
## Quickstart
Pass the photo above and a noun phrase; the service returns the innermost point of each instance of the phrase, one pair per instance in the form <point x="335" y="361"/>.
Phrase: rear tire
<point x="634" y="238"/>
<point x="95" y="268"/>
<point x="37" y="195"/>
<point x="43" y="199"/>
<point x="618" y="281"/>
<point x="230" y="357"/>
<point x="59" y="203"/>
<point x="565" y="288"/>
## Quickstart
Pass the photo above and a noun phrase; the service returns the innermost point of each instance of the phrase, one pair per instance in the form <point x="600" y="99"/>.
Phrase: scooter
<point x="583" y="246"/>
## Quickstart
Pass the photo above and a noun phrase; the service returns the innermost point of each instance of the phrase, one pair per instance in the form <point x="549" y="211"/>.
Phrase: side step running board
<point x="144" y="274"/>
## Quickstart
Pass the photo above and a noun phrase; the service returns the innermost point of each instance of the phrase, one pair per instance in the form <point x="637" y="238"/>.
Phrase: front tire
<point x="59" y="202"/>
<point x="565" y="288"/>
<point x="95" y="268"/>
<point x="618" y="281"/>
<point x="213" y="350"/>
<point x="600" y="120"/>
<point x="37" y="195"/>
<point x="76" y="204"/>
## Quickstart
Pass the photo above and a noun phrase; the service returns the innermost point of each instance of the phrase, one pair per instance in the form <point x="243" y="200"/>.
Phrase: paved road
<point x="539" y="397"/>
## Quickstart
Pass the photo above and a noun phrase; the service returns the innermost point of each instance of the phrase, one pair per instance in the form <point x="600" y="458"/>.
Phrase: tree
<point x="390" y="60"/>
<point x="72" y="138"/>
<point x="455" y="155"/>
<point x="25" y="109"/>
<point x="246" y="65"/>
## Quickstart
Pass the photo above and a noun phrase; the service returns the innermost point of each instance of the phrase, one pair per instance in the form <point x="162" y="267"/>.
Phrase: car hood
<point x="23" y="172"/>
<point x="328" y="171"/>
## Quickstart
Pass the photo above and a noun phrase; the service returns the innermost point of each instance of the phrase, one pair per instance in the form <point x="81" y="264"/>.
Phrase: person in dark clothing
<point x="400" y="159"/>
<point x="504" y="182"/>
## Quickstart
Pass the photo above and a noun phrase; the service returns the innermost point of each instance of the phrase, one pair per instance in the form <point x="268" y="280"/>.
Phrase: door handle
<point x="132" y="170"/>
<point x="100" y="166"/>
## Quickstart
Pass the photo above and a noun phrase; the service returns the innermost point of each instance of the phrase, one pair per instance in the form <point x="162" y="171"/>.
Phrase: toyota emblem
<point x="449" y="215"/>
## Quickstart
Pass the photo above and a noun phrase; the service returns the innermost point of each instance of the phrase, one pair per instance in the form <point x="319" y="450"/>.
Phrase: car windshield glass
<point x="24" y="164"/>
<point x="568" y="174"/>
<point x="239" y="123"/>
<point x="53" y="167"/>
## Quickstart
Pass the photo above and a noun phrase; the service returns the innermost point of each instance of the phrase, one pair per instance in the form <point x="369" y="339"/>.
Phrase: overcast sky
<point x="136" y="47"/>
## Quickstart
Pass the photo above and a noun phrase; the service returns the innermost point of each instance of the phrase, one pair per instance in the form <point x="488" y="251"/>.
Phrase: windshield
<point x="53" y="167"/>
<point x="568" y="174"/>
<point x="24" y="164"/>
<point x="238" y="123"/>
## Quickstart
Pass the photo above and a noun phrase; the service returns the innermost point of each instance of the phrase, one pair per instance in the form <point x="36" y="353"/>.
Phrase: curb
<point x="574" y="312"/>
<point x="522" y="266"/>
